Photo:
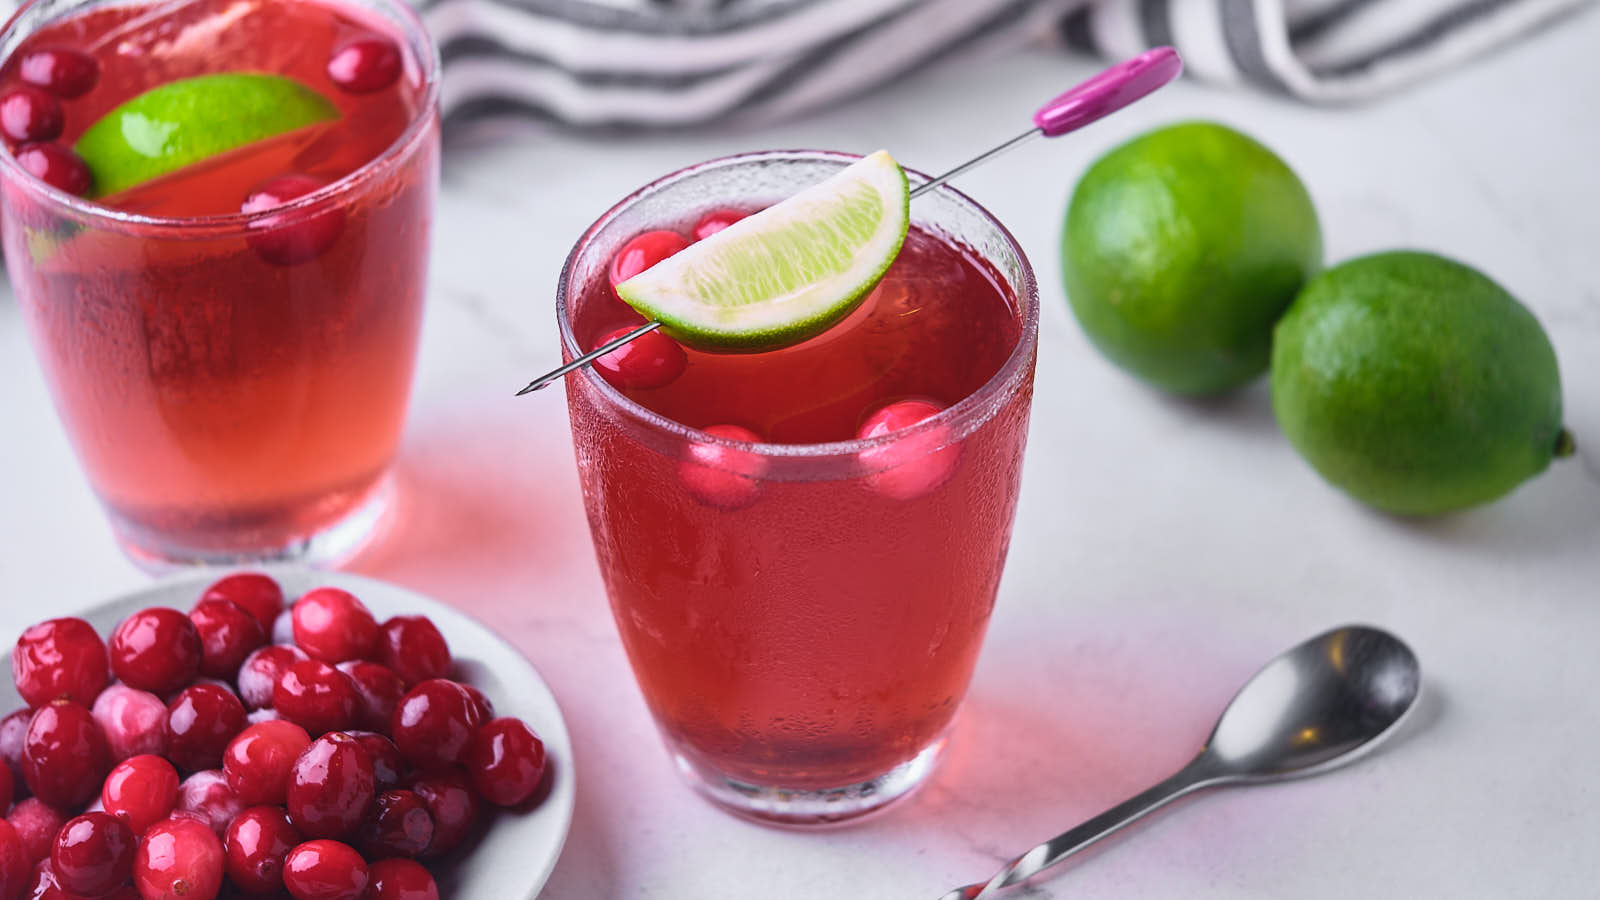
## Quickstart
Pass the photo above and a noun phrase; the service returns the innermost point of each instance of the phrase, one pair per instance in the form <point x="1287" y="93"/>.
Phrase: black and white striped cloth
<point x="666" y="63"/>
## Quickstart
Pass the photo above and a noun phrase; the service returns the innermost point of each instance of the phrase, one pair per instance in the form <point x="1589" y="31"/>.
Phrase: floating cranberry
<point x="913" y="465"/>
<point x="208" y="798"/>
<point x="61" y="71"/>
<point x="93" y="854"/>
<point x="259" y="760"/>
<point x="506" y="762"/>
<point x="480" y="703"/>
<point x="449" y="799"/>
<point x="133" y="721"/>
<point x="650" y="361"/>
<point x="13" y="728"/>
<point x="141" y="791"/>
<point x="715" y="221"/>
<point x="257" y="842"/>
<point x="317" y="697"/>
<point x="252" y="592"/>
<point x="643" y="251"/>
<point x="400" y="879"/>
<point x="386" y="763"/>
<point x="331" y="786"/>
<point x="29" y="114"/>
<point x="259" y="673"/>
<point x="178" y="859"/>
<point x="228" y="634"/>
<point x="333" y="626"/>
<point x="380" y="690"/>
<point x="57" y="166"/>
<point x="413" y="647"/>
<point x="36" y="824"/>
<point x="365" y="65"/>
<point x="397" y="825"/>
<point x="14" y="865"/>
<point x="434" y="723"/>
<point x="201" y="721"/>
<point x="155" y="650"/>
<point x="60" y="658"/>
<point x="290" y="238"/>
<point x="64" y="755"/>
<point x="724" y="477"/>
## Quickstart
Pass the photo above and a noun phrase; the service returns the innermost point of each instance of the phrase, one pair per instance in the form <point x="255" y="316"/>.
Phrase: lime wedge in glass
<point x="182" y="122"/>
<point x="786" y="273"/>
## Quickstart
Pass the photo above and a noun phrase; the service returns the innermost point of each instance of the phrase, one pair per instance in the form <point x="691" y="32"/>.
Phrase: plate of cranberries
<point x="277" y="734"/>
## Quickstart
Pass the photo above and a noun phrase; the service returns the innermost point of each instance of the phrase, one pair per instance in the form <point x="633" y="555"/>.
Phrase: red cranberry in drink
<point x="64" y="755"/>
<point x="256" y="844"/>
<point x="911" y="466"/>
<point x="333" y="626"/>
<point x="325" y="870"/>
<point x="643" y="251"/>
<point x="480" y="703"/>
<point x="331" y="786"/>
<point x="397" y="825"/>
<point x="57" y="166"/>
<point x="134" y="721"/>
<point x="258" y="761"/>
<point x="289" y="238"/>
<point x="400" y="879"/>
<point x="365" y="65"/>
<point x="434" y="723"/>
<point x="252" y="592"/>
<point x="650" y="361"/>
<point x="413" y="647"/>
<point x="209" y="798"/>
<point x="228" y="634"/>
<point x="387" y="767"/>
<point x="36" y="824"/>
<point x="258" y="675"/>
<point x="715" y="221"/>
<point x="380" y="690"/>
<point x="141" y="791"/>
<point x="155" y="650"/>
<point x="93" y="854"/>
<point x="450" y="800"/>
<point x="201" y="721"/>
<point x="29" y="114"/>
<point x="506" y="762"/>
<point x="723" y="477"/>
<point x="317" y="697"/>
<point x="13" y="728"/>
<point x="14" y="865"/>
<point x="60" y="658"/>
<point x="178" y="859"/>
<point x="61" y="71"/>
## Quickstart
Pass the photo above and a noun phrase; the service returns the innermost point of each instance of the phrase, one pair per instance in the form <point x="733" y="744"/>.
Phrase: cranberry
<point x="506" y="762"/>
<point x="720" y="476"/>
<point x="413" y="647"/>
<point x="64" y="755"/>
<point x="57" y="166"/>
<point x="133" y="721"/>
<point x="434" y="723"/>
<point x="200" y="722"/>
<point x="283" y="629"/>
<point x="290" y="238"/>
<point x="141" y="791"/>
<point x="257" y="762"/>
<point x="386" y="762"/>
<point x="252" y="592"/>
<point x="715" y="221"/>
<point x="59" y="70"/>
<point x="93" y="854"/>
<point x="257" y="842"/>
<point x="36" y="824"/>
<point x="13" y="728"/>
<point x="401" y="879"/>
<point x="331" y="786"/>
<point x="259" y="673"/>
<point x="60" y="658"/>
<point x="651" y="360"/>
<point x="380" y="690"/>
<point x="449" y="799"/>
<point x="643" y="251"/>
<point x="365" y="65"/>
<point x="257" y="716"/>
<point x="29" y="114"/>
<point x="8" y="787"/>
<point x="156" y="650"/>
<point x="397" y="825"/>
<point x="317" y="697"/>
<point x="178" y="859"/>
<point x="333" y="626"/>
<point x="14" y="865"/>
<point x="209" y="798"/>
<point x="911" y="466"/>
<point x="480" y="702"/>
<point x="228" y="634"/>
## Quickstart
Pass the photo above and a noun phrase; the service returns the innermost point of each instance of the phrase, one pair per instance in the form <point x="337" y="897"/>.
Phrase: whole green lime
<point x="1417" y="384"/>
<point x="1181" y="250"/>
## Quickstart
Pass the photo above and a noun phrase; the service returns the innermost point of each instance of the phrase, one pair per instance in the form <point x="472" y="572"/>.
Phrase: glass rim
<point x="1001" y="382"/>
<point x="239" y="222"/>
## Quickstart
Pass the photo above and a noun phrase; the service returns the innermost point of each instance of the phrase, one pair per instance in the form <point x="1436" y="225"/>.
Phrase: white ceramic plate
<point x="516" y="853"/>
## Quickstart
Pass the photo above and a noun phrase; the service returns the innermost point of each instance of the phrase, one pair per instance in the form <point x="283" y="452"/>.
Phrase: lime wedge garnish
<point x="185" y="121"/>
<point x="786" y="273"/>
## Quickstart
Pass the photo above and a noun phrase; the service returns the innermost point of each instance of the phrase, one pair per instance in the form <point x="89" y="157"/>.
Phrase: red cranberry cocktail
<point x="802" y="547"/>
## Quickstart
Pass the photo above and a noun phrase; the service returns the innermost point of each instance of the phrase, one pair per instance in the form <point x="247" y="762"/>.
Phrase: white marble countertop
<point x="1163" y="549"/>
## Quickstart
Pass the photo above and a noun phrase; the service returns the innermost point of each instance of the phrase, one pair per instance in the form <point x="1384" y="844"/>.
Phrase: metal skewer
<point x="1094" y="99"/>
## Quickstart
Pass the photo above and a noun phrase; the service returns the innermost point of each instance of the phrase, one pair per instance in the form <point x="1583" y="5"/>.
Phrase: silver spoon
<point x="1315" y="707"/>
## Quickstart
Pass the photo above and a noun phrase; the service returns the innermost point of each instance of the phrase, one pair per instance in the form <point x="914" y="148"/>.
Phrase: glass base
<point x="807" y="807"/>
<point x="337" y="543"/>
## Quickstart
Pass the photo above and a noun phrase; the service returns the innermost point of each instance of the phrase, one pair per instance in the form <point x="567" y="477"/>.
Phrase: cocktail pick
<point x="1094" y="99"/>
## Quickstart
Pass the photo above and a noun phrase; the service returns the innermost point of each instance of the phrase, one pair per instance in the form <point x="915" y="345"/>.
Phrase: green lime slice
<point x="786" y="273"/>
<point x="185" y="121"/>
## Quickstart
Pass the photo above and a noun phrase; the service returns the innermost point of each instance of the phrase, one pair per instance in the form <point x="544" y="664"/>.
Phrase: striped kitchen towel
<point x="664" y="63"/>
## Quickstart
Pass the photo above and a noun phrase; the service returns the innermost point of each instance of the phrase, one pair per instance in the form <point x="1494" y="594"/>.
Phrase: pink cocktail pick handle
<point x="1109" y="91"/>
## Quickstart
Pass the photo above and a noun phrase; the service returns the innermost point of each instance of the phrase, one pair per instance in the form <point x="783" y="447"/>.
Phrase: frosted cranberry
<point x="36" y="824"/>
<point x="397" y="825"/>
<point x="133" y="721"/>
<point x="365" y="65"/>
<point x="258" y="761"/>
<point x="480" y="703"/>
<point x="258" y="675"/>
<point x="57" y="166"/>
<point x="13" y="728"/>
<point x="650" y="361"/>
<point x="256" y="844"/>
<point x="505" y="762"/>
<point x="141" y="791"/>
<point x="449" y="799"/>
<point x="331" y="786"/>
<point x="64" y="755"/>
<point x="715" y="221"/>
<point x="400" y="879"/>
<point x="29" y="114"/>
<point x="333" y="626"/>
<point x="386" y="763"/>
<point x="643" y="251"/>
<point x="178" y="859"/>
<point x="228" y="634"/>
<point x="252" y="592"/>
<point x="61" y="658"/>
<point x="434" y="723"/>
<point x="59" y="70"/>
<point x="156" y="650"/>
<point x="93" y="854"/>
<point x="413" y="647"/>
<point x="379" y="688"/>
<point x="14" y="865"/>
<point x="201" y="721"/>
<point x="723" y="477"/>
<point x="317" y="697"/>
<point x="913" y="465"/>
<point x="208" y="796"/>
<point x="289" y="238"/>
<point x="283" y="629"/>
